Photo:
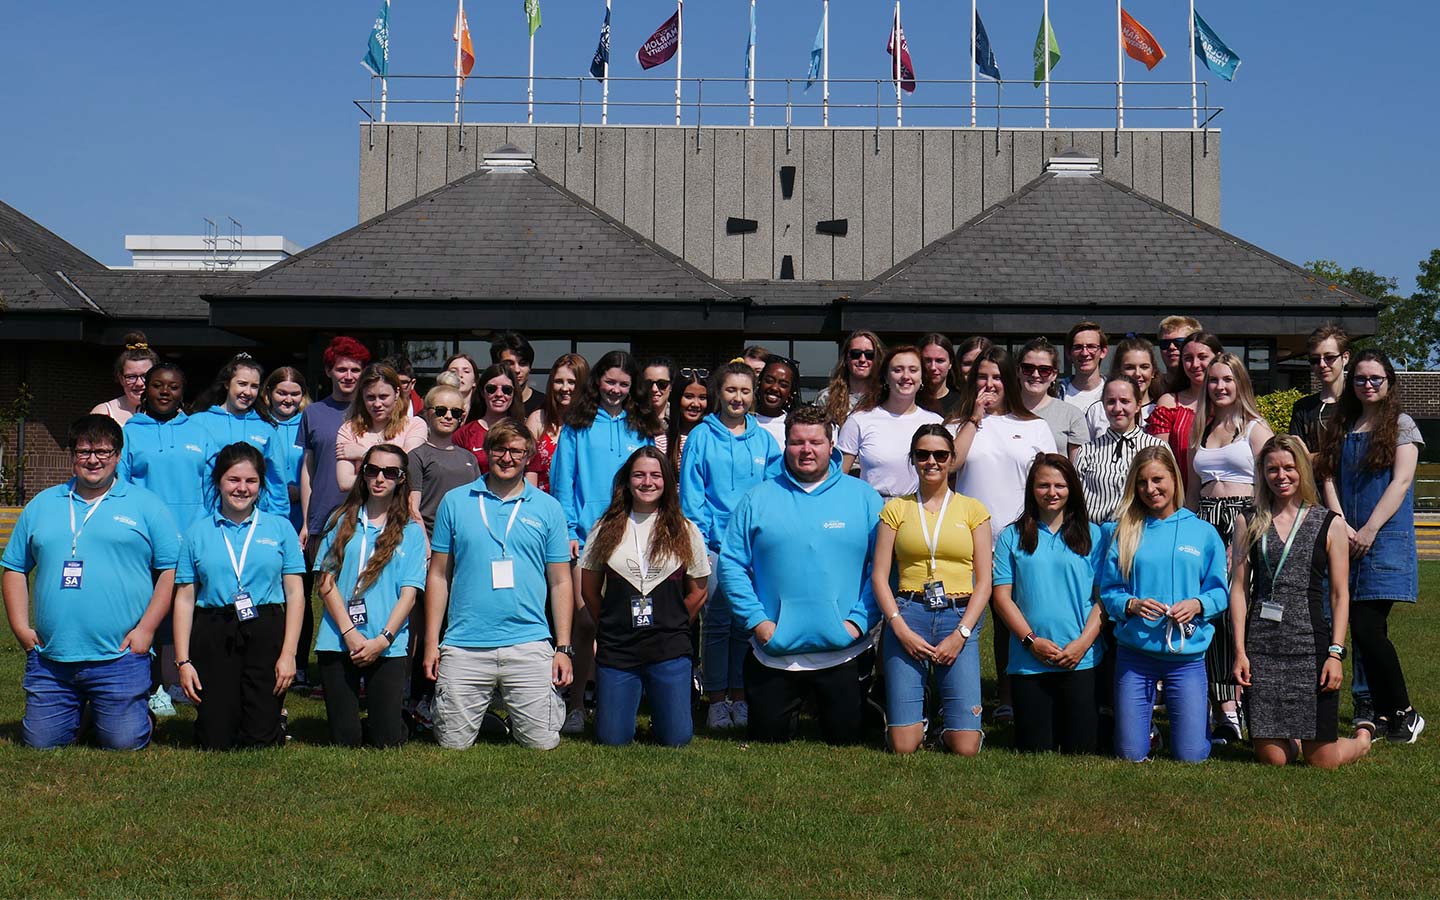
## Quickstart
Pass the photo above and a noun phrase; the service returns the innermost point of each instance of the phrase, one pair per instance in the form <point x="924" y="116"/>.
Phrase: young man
<point x="1088" y="349"/>
<point x="1171" y="337"/>
<point x="103" y="553"/>
<point x="511" y="350"/>
<point x="320" y="494"/>
<point x="405" y="369"/>
<point x="795" y="564"/>
<point x="499" y="544"/>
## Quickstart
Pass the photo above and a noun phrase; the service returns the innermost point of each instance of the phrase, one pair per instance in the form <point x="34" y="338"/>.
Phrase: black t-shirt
<point x="536" y="401"/>
<point x="1308" y="419"/>
<point x="947" y="406"/>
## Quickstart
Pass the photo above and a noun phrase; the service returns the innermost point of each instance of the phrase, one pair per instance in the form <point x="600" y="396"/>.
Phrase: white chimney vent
<point x="508" y="158"/>
<point x="1073" y="163"/>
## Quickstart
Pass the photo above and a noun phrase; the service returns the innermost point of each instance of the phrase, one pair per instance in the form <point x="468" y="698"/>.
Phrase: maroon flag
<point x="907" y="69"/>
<point x="661" y="45"/>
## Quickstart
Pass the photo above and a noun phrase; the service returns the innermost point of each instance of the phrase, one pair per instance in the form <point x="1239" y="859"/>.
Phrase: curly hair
<point x="1380" y="455"/>
<point x="347" y="517"/>
<point x="670" y="538"/>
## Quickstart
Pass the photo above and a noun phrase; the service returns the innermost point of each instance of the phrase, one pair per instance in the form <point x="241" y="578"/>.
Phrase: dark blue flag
<point x="984" y="55"/>
<point x="602" y="50"/>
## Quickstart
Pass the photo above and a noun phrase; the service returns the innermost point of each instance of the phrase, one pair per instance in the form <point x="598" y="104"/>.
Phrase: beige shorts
<point x="470" y="679"/>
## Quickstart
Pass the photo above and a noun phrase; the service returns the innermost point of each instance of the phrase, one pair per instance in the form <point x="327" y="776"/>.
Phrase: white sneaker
<point x="739" y="713"/>
<point x="719" y="716"/>
<point x="161" y="704"/>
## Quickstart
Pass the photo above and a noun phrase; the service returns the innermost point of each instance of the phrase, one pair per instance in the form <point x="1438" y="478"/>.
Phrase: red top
<point x="544" y="453"/>
<point x="471" y="436"/>
<point x="1175" y="421"/>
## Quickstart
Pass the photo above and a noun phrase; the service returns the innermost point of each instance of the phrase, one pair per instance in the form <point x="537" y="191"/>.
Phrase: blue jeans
<point x="1136" y="675"/>
<point x="116" y="689"/>
<point x="617" y="700"/>
<point x="723" y="645"/>
<point x="905" y="676"/>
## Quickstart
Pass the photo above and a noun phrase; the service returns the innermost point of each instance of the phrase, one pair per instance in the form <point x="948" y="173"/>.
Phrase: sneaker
<point x="719" y="717"/>
<point x="1226" y="731"/>
<point x="574" y="722"/>
<point x="1004" y="713"/>
<point x="177" y="695"/>
<point x="1364" y="713"/>
<point x="492" y="725"/>
<point x="161" y="704"/>
<point x="424" y="713"/>
<point x="1405" y="727"/>
<point x="739" y="713"/>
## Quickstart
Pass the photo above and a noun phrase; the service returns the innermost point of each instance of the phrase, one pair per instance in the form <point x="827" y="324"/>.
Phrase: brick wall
<point x="64" y="382"/>
<point x="1420" y="393"/>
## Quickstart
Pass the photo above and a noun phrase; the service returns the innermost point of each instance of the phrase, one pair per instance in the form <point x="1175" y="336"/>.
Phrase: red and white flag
<point x="465" y="57"/>
<point x="907" y="69"/>
<point x="661" y="45"/>
<point x="1140" y="44"/>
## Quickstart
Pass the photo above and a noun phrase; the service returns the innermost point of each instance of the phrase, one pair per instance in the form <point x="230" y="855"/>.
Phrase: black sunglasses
<point x="940" y="456"/>
<point x="861" y="354"/>
<point x="453" y="412"/>
<point x="661" y="384"/>
<point x="391" y="473"/>
<point x="1173" y="343"/>
<point x="493" y="388"/>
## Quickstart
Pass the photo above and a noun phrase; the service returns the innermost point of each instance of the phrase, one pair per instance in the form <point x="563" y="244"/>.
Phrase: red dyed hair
<point x="343" y="346"/>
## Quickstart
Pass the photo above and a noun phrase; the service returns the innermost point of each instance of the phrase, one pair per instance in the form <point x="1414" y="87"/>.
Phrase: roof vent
<point x="1073" y="162"/>
<point x="508" y="158"/>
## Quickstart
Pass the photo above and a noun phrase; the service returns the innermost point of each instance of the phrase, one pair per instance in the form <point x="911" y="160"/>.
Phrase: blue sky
<point x="144" y="117"/>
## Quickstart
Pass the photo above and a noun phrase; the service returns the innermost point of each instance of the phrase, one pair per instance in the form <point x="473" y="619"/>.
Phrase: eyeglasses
<point x="101" y="455"/>
<point x="687" y="373"/>
<point x="1327" y="359"/>
<point x="940" y="456"/>
<point x="1373" y="381"/>
<point x="391" y="473"/>
<point x="493" y="388"/>
<point x="656" y="384"/>
<point x="133" y="379"/>
<point x="508" y="453"/>
<point x="448" y="412"/>
<point x="860" y="354"/>
<point x="1172" y="343"/>
<point x="1029" y="369"/>
<point x="1084" y="348"/>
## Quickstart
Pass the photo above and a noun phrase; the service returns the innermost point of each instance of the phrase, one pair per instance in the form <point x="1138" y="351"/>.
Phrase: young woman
<point x="283" y="398"/>
<point x="225" y="412"/>
<point x="1173" y="417"/>
<point x="1039" y="366"/>
<point x="464" y="367"/>
<point x="877" y="435"/>
<point x="967" y="353"/>
<point x="777" y="391"/>
<point x="1288" y="651"/>
<point x="164" y="452"/>
<point x="1163" y="582"/>
<point x="643" y="579"/>
<point x="656" y="380"/>
<point x="499" y="399"/>
<point x="941" y="393"/>
<point x="1046" y="567"/>
<point x="854" y="375"/>
<point x="370" y="565"/>
<point x="689" y="402"/>
<point x="130" y="368"/>
<point x="1133" y="357"/>
<point x="438" y="466"/>
<point x="938" y="545"/>
<point x="726" y="456"/>
<point x="1104" y="463"/>
<point x="238" y="605"/>
<point x="1368" y="462"/>
<point x="379" y="414"/>
<point x="567" y="375"/>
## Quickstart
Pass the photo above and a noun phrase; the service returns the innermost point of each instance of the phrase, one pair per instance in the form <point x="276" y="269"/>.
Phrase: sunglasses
<point x="1172" y="343"/>
<point x="1028" y="369"/>
<point x="493" y="388"/>
<point x="391" y="473"/>
<point x="1373" y="381"/>
<point x="861" y="354"/>
<point x="1327" y="359"/>
<point x="448" y="412"/>
<point x="656" y="384"/>
<point x="940" y="456"/>
<point x="687" y="373"/>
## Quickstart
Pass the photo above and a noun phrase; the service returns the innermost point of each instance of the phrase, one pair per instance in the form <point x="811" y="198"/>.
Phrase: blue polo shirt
<point x="1054" y="587"/>
<point x="482" y="617"/>
<point x="205" y="563"/>
<point x="130" y="536"/>
<point x="405" y="569"/>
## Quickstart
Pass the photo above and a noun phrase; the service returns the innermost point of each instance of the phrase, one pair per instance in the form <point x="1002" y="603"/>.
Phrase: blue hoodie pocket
<point x="808" y="627"/>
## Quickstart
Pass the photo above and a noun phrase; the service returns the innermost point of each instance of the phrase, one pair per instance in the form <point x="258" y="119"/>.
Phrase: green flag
<point x="1044" y="38"/>
<point x="532" y="12"/>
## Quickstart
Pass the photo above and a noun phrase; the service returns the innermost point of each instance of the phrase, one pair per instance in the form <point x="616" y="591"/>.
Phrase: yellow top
<point x="955" y="552"/>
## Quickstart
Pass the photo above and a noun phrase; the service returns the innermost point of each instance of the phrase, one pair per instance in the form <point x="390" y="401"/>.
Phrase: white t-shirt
<point x="1081" y="399"/>
<point x="880" y="440"/>
<point x="998" y="463"/>
<point x="773" y="426"/>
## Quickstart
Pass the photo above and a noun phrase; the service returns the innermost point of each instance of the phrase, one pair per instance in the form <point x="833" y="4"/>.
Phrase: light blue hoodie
<point x="224" y="429"/>
<point x="719" y="467"/>
<point x="802" y="561"/>
<point x="1179" y="558"/>
<point x="170" y="459"/>
<point x="582" y="471"/>
<point x="289" y="431"/>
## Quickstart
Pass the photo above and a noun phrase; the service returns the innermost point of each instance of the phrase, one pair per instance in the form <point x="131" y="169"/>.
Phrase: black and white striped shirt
<point x="1104" y="463"/>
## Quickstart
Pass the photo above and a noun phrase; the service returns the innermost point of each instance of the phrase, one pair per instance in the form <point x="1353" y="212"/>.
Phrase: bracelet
<point x="183" y="662"/>
<point x="893" y="616"/>
<point x="343" y="633"/>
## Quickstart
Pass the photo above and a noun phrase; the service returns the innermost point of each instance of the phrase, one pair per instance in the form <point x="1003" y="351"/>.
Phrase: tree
<point x="1408" y="328"/>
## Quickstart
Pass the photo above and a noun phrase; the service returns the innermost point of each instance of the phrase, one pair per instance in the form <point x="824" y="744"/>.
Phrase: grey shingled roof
<point x="130" y="294"/>
<point x="513" y="235"/>
<point x="31" y="258"/>
<point x="1086" y="240"/>
<point x="774" y="292"/>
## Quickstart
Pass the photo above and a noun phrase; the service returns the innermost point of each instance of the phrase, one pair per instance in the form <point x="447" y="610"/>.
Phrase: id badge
<point x="356" y="610"/>
<point x="244" y="606"/>
<point x="502" y="573"/>
<point x="71" y="575"/>
<point x="1271" y="611"/>
<point x="642" y="612"/>
<point x="935" y="599"/>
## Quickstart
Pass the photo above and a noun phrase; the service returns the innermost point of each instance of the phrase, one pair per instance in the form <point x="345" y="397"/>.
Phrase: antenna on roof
<point x="222" y="252"/>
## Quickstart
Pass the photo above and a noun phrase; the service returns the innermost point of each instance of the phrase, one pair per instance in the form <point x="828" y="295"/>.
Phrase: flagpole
<point x="530" y="83"/>
<point x="1045" y="51"/>
<point x="973" y="53"/>
<point x="679" y="51"/>
<point x="1194" y="108"/>
<point x="459" y="19"/>
<point x="1119" y="66"/>
<point x="752" y="64"/>
<point x="383" y="86"/>
<point x="605" y="83"/>
<point x="825" y="65"/>
<point x="899" y="48"/>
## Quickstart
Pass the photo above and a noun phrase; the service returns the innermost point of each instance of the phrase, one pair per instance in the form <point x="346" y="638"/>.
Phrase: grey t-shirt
<point x="1067" y="423"/>
<point x="435" y="472"/>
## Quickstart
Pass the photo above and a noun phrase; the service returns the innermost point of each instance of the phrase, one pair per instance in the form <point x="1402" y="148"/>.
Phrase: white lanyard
<point x="640" y="558"/>
<point x="933" y="543"/>
<point x="239" y="565"/>
<point x="511" y="524"/>
<point x="74" y="532"/>
<point x="1285" y="552"/>
<point x="364" y="546"/>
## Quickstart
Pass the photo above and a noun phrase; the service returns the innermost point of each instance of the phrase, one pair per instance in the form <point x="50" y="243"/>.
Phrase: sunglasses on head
<point x="450" y="412"/>
<point x="391" y="473"/>
<point x="940" y="456"/>
<point x="860" y="354"/>
<point x="687" y="373"/>
<point x="495" y="387"/>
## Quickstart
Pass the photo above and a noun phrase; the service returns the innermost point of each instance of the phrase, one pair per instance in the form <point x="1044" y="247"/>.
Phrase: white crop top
<point x="1232" y="463"/>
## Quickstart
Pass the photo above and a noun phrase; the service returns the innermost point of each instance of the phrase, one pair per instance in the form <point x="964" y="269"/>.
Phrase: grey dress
<point x="1284" y="699"/>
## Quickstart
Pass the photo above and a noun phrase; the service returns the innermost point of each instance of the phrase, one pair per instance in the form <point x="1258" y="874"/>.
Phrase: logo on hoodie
<point x="194" y="448"/>
<point x="1186" y="548"/>
<point x="833" y="523"/>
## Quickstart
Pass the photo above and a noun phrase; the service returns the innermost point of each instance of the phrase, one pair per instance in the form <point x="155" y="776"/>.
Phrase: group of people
<point x="485" y="552"/>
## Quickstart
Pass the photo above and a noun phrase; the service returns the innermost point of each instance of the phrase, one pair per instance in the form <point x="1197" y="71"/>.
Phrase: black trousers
<point x="236" y="664"/>
<point x="1055" y="711"/>
<point x="775" y="697"/>
<point x="384" y="682"/>
<point x="307" y="624"/>
<point x="1369" y="626"/>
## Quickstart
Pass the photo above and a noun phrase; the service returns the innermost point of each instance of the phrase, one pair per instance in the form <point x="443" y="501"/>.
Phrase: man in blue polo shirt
<point x="498" y="545"/>
<point x="103" y="553"/>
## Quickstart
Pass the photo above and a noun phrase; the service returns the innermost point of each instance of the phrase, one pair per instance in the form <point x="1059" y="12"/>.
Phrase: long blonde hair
<point x="1265" y="499"/>
<point x="1133" y="512"/>
<point x="1244" y="398"/>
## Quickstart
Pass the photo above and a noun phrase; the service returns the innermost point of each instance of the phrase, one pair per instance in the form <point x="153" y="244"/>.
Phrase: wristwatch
<point x="389" y="638"/>
<point x="1337" y="651"/>
<point x="1028" y="640"/>
<point x="965" y="631"/>
<point x="567" y="649"/>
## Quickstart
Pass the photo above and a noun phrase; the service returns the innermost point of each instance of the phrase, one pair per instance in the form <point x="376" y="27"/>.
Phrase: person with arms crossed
<point x="1039" y="364"/>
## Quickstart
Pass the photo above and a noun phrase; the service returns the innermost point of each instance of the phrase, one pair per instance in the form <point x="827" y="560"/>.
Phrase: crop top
<point x="1233" y="463"/>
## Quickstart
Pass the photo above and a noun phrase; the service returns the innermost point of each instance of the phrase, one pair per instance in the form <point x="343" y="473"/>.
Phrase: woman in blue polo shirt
<point x="1045" y="568"/>
<point x="226" y="413"/>
<point x="238" y="606"/>
<point x="369" y="567"/>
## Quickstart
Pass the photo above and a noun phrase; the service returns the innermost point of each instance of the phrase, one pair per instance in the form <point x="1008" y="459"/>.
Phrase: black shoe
<point x="1405" y="727"/>
<point x="1364" y="713"/>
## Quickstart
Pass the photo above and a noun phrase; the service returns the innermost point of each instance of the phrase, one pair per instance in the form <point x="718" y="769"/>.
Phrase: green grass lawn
<point x="719" y="818"/>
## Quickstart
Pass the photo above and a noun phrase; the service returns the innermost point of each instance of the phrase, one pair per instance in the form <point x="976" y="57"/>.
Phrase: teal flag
<point x="817" y="56"/>
<point x="377" y="56"/>
<point x="1218" y="58"/>
<point x="532" y="15"/>
<point x="750" y="43"/>
<point x="1045" y="42"/>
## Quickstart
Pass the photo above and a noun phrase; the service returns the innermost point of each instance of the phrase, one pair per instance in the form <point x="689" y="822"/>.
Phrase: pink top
<point x="350" y="448"/>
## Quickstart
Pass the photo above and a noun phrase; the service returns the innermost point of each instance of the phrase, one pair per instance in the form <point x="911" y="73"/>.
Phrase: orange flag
<point x="466" y="57"/>
<point x="1140" y="44"/>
